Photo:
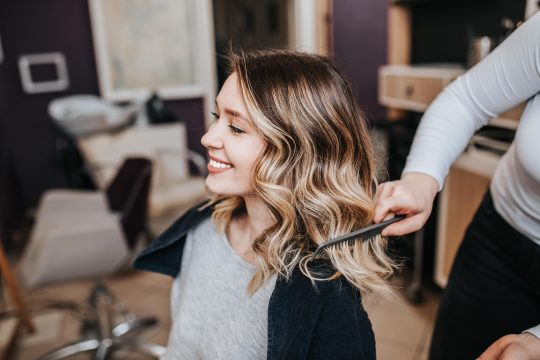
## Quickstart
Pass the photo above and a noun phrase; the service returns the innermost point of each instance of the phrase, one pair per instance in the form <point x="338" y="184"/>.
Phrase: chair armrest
<point x="103" y="223"/>
<point x="92" y="166"/>
<point x="198" y="160"/>
<point x="101" y="173"/>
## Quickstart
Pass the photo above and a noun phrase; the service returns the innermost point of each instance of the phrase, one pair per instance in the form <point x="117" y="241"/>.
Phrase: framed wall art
<point x="146" y="46"/>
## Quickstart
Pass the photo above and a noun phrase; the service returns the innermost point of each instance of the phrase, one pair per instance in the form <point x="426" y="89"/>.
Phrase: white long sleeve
<point x="505" y="78"/>
<point x="508" y="76"/>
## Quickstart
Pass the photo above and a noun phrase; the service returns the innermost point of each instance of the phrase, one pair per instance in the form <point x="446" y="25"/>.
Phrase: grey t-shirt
<point x="213" y="315"/>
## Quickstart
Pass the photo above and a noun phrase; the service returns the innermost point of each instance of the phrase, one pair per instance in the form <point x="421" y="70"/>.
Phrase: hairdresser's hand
<point x="524" y="346"/>
<point x="413" y="196"/>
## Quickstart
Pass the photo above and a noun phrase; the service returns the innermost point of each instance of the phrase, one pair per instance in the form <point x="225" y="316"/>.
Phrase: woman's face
<point x="233" y="144"/>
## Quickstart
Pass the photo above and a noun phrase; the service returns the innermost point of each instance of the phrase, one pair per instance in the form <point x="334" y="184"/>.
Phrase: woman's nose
<point x="212" y="138"/>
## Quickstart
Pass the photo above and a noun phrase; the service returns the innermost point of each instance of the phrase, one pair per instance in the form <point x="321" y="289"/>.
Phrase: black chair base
<point x="103" y="337"/>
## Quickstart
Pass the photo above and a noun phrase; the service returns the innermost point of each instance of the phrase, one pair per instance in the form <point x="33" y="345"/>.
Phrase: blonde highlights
<point x="316" y="172"/>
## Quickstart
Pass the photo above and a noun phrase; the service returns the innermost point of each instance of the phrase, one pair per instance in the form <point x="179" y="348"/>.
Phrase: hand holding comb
<point x="361" y="234"/>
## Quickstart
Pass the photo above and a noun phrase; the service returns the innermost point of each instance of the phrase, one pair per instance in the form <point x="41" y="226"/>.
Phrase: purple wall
<point x="28" y="155"/>
<point x="29" y="27"/>
<point x="360" y="38"/>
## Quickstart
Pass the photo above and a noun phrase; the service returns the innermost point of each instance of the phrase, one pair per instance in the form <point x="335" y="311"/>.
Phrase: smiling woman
<point x="301" y="128"/>
<point x="290" y="165"/>
<point x="233" y="143"/>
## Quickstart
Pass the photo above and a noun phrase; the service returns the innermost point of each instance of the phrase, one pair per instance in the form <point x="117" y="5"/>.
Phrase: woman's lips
<point x="215" y="165"/>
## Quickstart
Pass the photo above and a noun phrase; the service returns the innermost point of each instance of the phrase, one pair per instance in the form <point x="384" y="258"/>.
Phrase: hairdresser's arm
<point x="508" y="76"/>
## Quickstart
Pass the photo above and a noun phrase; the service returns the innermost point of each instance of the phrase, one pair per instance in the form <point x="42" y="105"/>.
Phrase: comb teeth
<point x="364" y="234"/>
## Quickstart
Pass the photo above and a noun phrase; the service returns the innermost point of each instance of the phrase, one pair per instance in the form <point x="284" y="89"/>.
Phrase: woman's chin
<point x="215" y="189"/>
<point x="226" y="189"/>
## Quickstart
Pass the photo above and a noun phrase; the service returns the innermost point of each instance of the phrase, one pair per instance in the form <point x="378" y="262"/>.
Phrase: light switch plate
<point x="26" y="62"/>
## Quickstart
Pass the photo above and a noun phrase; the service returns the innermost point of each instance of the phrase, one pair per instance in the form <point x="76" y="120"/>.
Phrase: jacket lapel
<point x="165" y="253"/>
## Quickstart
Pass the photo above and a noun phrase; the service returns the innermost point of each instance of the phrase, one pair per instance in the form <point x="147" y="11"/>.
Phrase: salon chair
<point x="81" y="233"/>
<point x="105" y="134"/>
<point x="102" y="333"/>
<point x="173" y="189"/>
<point x="92" y="234"/>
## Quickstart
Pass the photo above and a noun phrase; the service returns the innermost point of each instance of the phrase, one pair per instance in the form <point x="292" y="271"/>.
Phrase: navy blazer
<point x="326" y="321"/>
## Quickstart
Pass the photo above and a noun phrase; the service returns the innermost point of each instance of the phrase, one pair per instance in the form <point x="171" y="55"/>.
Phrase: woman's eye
<point x="216" y="116"/>
<point x="236" y="130"/>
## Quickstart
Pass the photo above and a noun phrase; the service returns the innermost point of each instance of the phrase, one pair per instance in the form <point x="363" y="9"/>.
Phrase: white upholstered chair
<point x="173" y="189"/>
<point x="81" y="233"/>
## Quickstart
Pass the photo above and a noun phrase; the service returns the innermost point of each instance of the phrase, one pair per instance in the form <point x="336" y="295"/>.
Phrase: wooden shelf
<point x="413" y="87"/>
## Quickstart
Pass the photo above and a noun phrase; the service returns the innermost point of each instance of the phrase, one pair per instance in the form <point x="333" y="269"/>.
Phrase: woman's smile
<point x="233" y="144"/>
<point x="216" y="165"/>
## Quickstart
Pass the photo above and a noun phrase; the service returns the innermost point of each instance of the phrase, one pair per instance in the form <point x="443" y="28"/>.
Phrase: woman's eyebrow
<point x="236" y="114"/>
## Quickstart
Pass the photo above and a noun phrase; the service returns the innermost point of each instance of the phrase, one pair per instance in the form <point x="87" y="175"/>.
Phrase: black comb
<point x="361" y="234"/>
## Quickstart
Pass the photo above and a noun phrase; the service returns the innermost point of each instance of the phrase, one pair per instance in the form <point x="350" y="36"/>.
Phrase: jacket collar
<point x="164" y="254"/>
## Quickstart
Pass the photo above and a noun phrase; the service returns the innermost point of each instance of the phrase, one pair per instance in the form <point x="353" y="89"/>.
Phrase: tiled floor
<point x="402" y="330"/>
<point x="145" y="294"/>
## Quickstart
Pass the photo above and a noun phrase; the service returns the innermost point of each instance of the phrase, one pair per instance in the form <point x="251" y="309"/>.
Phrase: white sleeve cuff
<point x="534" y="330"/>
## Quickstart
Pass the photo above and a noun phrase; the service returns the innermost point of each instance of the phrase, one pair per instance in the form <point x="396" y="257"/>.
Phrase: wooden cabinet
<point x="463" y="191"/>
<point x="413" y="87"/>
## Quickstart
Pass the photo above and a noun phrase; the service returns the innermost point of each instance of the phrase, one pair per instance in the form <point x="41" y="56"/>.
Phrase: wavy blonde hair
<point x="316" y="172"/>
